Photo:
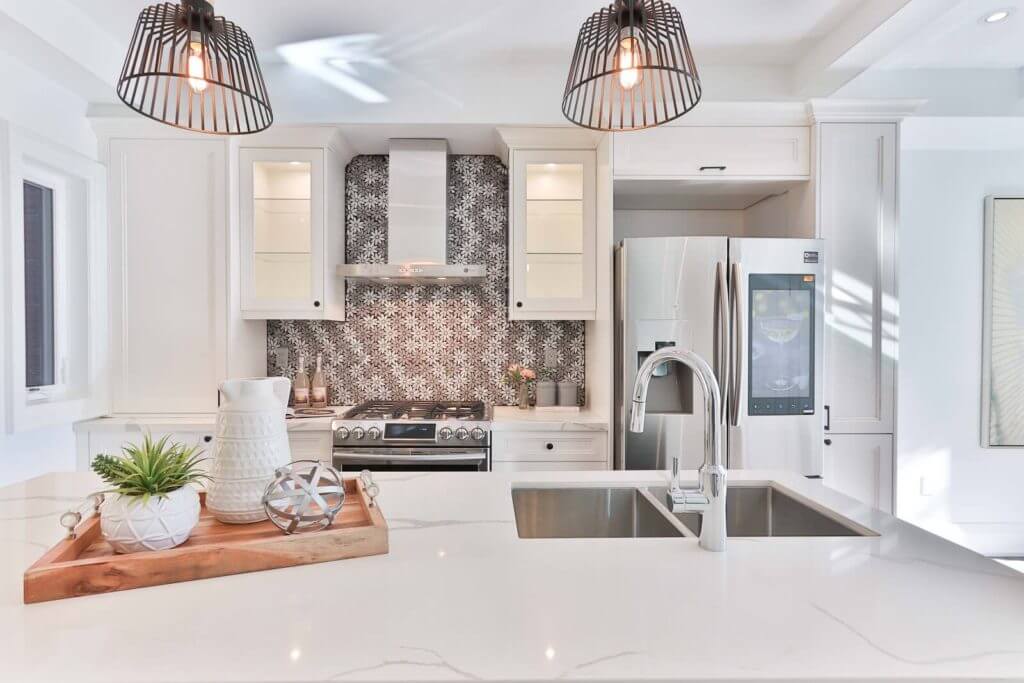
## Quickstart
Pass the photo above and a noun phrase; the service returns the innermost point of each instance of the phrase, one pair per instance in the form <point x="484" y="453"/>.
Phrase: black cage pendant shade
<point x="190" y="69"/>
<point x="632" y="68"/>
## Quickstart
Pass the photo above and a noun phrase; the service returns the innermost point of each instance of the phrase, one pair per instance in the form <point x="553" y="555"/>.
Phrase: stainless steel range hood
<point x="417" y="222"/>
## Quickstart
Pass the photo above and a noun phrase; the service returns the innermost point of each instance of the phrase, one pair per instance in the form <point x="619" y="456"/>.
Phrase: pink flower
<point x="529" y="374"/>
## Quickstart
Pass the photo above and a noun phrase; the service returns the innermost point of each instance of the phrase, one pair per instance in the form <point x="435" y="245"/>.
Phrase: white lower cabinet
<point x="312" y="445"/>
<point x="305" y="445"/>
<point x="860" y="465"/>
<point x="106" y="442"/>
<point x="534" y="451"/>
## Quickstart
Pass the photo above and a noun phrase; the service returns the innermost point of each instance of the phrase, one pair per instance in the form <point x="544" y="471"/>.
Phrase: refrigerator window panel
<point x="781" y="345"/>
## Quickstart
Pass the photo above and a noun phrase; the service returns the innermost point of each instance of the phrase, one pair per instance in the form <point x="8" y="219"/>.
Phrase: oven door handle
<point x="399" y="458"/>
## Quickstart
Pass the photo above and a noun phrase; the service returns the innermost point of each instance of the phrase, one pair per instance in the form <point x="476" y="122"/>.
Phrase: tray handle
<point x="371" y="488"/>
<point x="71" y="519"/>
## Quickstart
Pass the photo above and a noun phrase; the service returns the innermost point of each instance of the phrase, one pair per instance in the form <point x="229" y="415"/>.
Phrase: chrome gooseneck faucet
<point x="709" y="498"/>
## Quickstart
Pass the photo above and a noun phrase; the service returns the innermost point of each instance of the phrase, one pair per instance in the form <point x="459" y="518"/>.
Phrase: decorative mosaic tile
<point x="407" y="343"/>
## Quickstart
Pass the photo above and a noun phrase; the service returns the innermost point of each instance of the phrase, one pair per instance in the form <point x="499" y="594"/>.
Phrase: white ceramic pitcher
<point x="252" y="442"/>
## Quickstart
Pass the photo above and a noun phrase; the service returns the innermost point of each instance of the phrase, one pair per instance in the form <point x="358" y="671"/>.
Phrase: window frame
<point x="40" y="176"/>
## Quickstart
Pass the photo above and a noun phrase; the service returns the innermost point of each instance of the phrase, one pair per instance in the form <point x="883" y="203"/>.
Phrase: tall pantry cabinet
<point x="174" y="327"/>
<point x="857" y="217"/>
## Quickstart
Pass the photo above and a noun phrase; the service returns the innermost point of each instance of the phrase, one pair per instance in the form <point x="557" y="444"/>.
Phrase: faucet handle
<point x="674" y="484"/>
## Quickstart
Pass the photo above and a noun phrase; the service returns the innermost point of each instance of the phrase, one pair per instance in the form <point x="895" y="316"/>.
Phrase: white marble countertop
<point x="504" y="418"/>
<point x="460" y="596"/>
<point x="190" y="422"/>
<point x="511" y="418"/>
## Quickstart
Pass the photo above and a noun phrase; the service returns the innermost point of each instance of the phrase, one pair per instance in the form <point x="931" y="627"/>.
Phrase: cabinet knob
<point x="316" y="304"/>
<point x="549" y="446"/>
<point x="828" y="442"/>
<point x="519" y="304"/>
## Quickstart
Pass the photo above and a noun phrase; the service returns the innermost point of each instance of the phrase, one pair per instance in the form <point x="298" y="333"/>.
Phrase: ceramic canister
<point x="252" y="442"/>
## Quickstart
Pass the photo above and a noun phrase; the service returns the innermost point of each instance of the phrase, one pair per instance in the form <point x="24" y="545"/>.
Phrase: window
<point x="40" y="351"/>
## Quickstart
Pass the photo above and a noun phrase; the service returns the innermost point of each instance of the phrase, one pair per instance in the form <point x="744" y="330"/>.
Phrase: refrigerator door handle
<point x="720" y="343"/>
<point x="738" y="339"/>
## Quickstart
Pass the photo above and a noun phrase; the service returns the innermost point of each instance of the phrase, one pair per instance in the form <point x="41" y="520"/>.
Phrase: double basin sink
<point x="640" y="512"/>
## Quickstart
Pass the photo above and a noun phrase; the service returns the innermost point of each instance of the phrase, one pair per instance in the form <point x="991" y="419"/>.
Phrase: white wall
<point x="946" y="481"/>
<point x="34" y="103"/>
<point x="657" y="223"/>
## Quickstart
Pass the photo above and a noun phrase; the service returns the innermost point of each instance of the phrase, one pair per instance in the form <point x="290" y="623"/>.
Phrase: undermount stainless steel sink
<point x="640" y="512"/>
<point x="752" y="511"/>
<point x="590" y="512"/>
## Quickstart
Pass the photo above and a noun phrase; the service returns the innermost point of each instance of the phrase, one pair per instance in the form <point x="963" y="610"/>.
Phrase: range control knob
<point x="373" y="433"/>
<point x="358" y="433"/>
<point x="342" y="433"/>
<point x="478" y="434"/>
<point x="461" y="433"/>
<point x="445" y="433"/>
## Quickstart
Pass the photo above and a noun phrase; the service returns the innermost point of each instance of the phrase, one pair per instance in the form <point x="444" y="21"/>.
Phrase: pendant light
<point x="632" y="68"/>
<point x="190" y="69"/>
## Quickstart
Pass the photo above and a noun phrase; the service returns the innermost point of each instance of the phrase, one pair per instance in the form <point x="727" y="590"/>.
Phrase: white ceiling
<point x="960" y="39"/>
<point x="493" y="31"/>
<point x="504" y="61"/>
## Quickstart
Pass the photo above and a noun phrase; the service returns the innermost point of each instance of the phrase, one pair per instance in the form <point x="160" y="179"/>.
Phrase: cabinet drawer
<point x="549" y="446"/>
<point x="698" y="151"/>
<point x="311" y="446"/>
<point x="565" y="466"/>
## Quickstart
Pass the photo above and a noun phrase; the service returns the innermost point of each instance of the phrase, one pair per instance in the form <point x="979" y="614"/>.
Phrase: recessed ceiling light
<point x="997" y="16"/>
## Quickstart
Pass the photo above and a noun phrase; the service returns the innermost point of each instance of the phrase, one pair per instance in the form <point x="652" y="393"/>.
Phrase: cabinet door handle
<point x="316" y="304"/>
<point x="207" y="438"/>
<point x="828" y="442"/>
<point x="550" y="446"/>
<point x="828" y="418"/>
<point x="519" y="304"/>
<point x="712" y="168"/>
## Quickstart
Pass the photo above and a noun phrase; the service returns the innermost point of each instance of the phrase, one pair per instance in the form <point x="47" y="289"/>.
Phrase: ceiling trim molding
<point x="833" y="111"/>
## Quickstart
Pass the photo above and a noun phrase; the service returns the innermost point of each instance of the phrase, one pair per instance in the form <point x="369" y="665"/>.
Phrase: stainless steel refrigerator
<point x="753" y="308"/>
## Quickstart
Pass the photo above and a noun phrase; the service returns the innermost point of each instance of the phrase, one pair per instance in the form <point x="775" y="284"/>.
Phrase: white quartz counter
<point x="512" y="419"/>
<point x="504" y="418"/>
<point x="191" y="422"/>
<point x="460" y="596"/>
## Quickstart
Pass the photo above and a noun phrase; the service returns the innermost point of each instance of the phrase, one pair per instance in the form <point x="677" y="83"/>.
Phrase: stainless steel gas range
<point x="390" y="436"/>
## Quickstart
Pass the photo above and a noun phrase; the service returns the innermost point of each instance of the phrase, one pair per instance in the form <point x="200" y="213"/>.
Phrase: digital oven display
<point x="409" y="431"/>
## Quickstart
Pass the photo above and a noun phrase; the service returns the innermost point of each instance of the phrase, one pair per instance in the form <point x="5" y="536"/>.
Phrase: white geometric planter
<point x="129" y="525"/>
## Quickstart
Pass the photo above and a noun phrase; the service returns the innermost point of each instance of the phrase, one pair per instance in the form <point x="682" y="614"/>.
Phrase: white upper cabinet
<point x="714" y="151"/>
<point x="857" y="218"/>
<point x="291" y="238"/>
<point x="553" y="235"/>
<point x="168" y="334"/>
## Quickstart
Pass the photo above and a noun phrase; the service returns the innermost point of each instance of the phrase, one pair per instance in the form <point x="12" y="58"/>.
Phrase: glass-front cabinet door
<point x="282" y="231"/>
<point x="553" y="235"/>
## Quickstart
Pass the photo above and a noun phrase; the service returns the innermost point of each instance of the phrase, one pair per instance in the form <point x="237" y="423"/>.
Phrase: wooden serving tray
<point x="86" y="564"/>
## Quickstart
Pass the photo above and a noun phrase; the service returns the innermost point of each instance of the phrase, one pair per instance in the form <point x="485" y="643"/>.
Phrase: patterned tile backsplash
<point x="417" y="342"/>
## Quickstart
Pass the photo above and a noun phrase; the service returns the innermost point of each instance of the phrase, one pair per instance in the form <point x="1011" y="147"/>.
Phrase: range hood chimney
<point x="417" y="222"/>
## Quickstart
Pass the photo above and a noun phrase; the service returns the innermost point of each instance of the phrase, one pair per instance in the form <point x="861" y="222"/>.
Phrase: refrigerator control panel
<point x="781" y="344"/>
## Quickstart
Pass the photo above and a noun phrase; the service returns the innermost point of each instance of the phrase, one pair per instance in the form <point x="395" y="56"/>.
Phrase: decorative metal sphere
<point x="305" y="495"/>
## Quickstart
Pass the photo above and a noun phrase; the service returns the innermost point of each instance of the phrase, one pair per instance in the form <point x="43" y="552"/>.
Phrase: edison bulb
<point x="196" y="71"/>
<point x="629" y="60"/>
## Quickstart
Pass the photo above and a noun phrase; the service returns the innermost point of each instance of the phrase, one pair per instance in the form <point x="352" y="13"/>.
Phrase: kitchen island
<point x="462" y="597"/>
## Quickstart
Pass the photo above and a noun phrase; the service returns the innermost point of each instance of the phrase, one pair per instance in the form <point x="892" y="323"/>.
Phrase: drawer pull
<point x="207" y="438"/>
<point x="712" y="168"/>
<point x="550" y="446"/>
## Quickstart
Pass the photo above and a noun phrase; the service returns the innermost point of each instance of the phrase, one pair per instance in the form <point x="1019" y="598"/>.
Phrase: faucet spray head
<point x="636" y="416"/>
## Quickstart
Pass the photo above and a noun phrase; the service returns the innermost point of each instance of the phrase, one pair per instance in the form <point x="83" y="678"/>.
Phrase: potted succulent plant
<point x="152" y="503"/>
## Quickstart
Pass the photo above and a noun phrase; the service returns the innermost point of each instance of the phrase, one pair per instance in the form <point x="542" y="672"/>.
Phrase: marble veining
<point x="463" y="598"/>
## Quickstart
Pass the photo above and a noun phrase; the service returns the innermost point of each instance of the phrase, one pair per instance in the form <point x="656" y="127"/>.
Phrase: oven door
<point x="411" y="459"/>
